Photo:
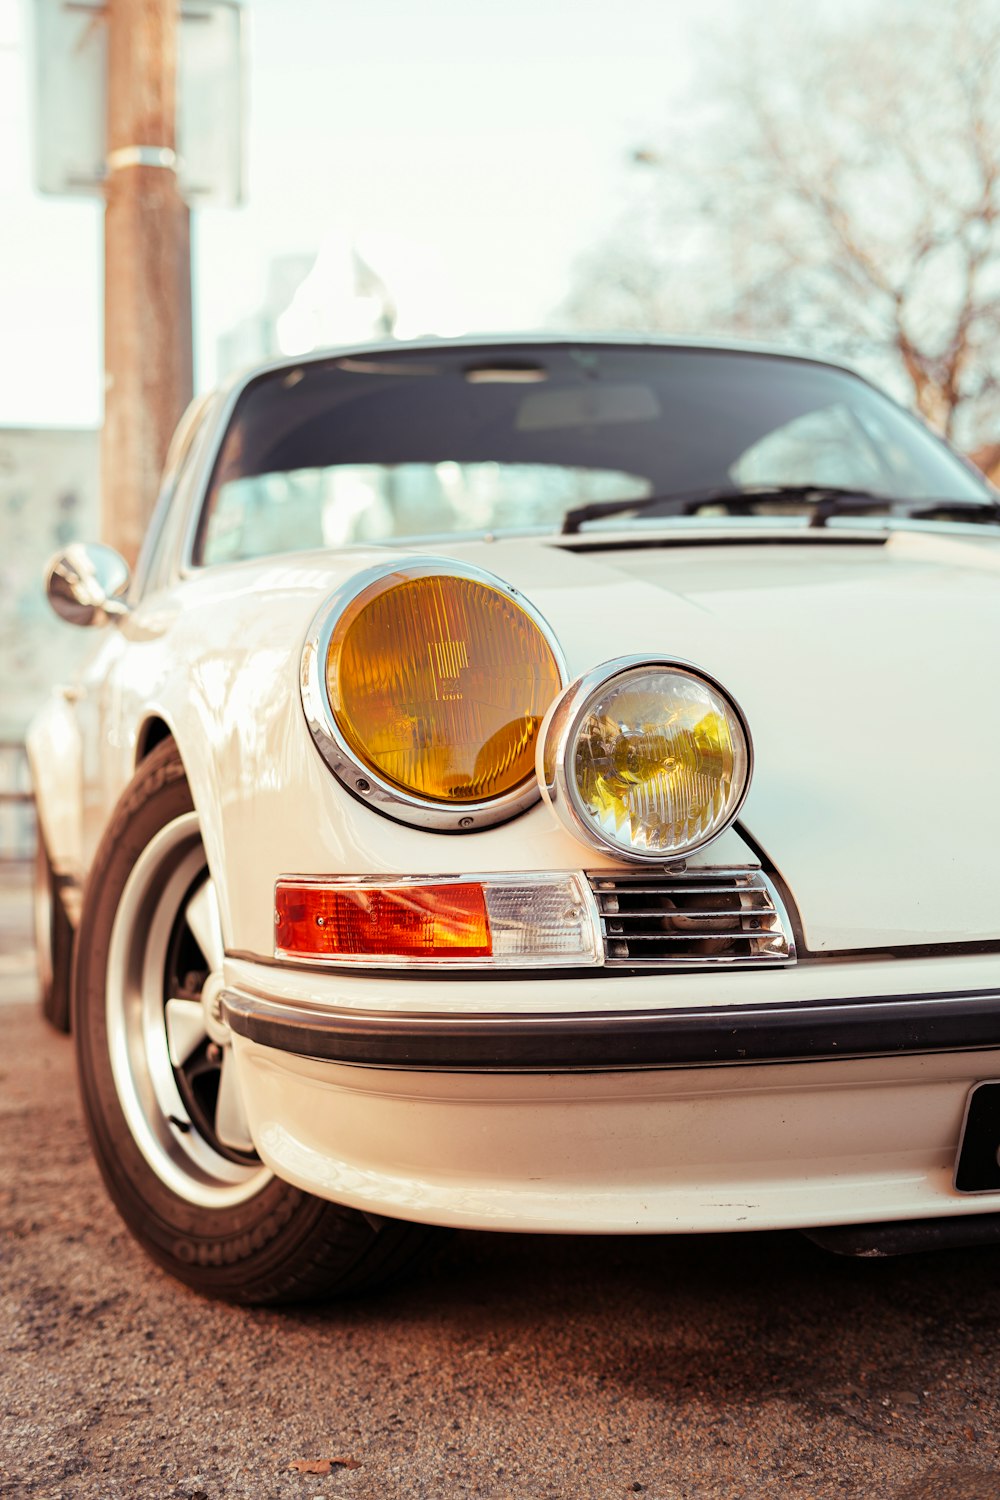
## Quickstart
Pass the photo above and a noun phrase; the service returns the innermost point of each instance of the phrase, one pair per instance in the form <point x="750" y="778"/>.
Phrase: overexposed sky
<point x="473" y="149"/>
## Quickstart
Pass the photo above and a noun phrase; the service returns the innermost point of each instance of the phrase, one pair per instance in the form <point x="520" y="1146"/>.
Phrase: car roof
<point x="538" y="338"/>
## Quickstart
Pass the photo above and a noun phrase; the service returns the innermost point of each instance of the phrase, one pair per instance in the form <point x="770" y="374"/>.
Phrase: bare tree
<point x="840" y="187"/>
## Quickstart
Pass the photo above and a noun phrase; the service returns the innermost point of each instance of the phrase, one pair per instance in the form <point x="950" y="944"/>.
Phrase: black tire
<point x="53" y="941"/>
<point x="204" y="1207"/>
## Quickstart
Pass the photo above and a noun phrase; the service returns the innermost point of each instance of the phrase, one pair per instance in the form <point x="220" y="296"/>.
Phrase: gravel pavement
<point x="543" y="1368"/>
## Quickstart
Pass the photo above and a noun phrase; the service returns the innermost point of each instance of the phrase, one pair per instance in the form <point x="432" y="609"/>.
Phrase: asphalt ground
<point x="536" y="1367"/>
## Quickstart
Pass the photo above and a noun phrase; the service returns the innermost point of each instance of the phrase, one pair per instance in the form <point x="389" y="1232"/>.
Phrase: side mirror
<point x="87" y="584"/>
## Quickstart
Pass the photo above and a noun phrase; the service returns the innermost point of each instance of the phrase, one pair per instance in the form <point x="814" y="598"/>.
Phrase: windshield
<point x="460" y="441"/>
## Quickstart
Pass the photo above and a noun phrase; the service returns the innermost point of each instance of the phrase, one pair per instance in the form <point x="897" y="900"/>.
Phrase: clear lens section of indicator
<point x="542" y="921"/>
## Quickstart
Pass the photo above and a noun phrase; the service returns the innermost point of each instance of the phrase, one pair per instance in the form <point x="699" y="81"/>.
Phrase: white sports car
<point x="533" y="785"/>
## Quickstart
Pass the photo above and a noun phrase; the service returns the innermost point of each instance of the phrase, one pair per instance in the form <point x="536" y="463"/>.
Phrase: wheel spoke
<point x="202" y="916"/>
<point x="230" y="1116"/>
<point x="185" y="1023"/>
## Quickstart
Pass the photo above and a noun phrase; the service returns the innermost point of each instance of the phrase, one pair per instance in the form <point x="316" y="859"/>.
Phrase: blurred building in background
<point x="329" y="297"/>
<point x="255" y="338"/>
<point x="49" y="495"/>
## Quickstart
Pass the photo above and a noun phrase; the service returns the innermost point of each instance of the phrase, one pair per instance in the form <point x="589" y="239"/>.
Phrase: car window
<point x="829" y="446"/>
<point x="444" y="442"/>
<point x="365" y="503"/>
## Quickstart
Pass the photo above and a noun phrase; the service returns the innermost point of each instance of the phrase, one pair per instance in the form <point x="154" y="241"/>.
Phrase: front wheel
<point x="159" y="1082"/>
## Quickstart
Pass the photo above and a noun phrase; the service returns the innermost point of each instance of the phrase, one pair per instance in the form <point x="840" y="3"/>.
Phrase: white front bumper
<point x="738" y="1145"/>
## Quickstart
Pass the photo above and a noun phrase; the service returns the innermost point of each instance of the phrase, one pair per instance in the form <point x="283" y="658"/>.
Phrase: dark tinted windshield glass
<point x="457" y="441"/>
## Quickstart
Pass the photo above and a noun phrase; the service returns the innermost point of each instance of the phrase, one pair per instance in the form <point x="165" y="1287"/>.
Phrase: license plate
<point x="978" y="1167"/>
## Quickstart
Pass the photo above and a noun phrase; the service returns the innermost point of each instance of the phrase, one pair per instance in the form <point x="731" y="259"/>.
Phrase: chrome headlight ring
<point x="557" y="746"/>
<point x="357" y="776"/>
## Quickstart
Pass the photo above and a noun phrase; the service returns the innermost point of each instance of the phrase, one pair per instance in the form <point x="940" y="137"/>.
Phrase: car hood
<point x="866" y="670"/>
<point x="864" y="663"/>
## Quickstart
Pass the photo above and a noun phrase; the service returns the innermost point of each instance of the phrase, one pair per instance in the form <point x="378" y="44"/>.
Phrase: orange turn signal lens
<point x="439" y="683"/>
<point x="411" y="921"/>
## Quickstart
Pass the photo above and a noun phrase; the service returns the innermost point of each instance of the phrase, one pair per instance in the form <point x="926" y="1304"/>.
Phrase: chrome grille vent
<point x="705" y="916"/>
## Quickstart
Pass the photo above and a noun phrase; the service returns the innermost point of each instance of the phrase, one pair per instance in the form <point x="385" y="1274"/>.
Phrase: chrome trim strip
<point x="355" y="775"/>
<point x="560" y="727"/>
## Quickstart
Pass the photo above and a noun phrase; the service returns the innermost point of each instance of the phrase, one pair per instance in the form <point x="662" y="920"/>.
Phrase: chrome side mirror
<point x="87" y="584"/>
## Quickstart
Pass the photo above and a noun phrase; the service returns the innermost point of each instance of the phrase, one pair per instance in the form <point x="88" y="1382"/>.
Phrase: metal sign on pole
<point x="70" y="109"/>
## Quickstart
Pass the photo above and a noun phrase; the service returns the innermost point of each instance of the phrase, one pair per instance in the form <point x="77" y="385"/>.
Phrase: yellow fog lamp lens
<point x="654" y="761"/>
<point x="438" y="683"/>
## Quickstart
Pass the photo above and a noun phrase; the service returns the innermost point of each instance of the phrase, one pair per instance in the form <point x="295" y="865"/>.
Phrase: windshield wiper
<point x="833" y="503"/>
<point x="828" y="500"/>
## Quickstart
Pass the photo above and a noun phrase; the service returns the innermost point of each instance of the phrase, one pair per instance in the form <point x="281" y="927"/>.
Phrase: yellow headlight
<point x="653" y="761"/>
<point x="439" y="683"/>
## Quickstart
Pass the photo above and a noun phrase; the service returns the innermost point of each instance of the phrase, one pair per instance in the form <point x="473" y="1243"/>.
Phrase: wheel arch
<point x="152" y="732"/>
<point x="159" y="726"/>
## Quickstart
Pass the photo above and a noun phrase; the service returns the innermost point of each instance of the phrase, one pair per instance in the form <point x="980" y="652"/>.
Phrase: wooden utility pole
<point x="147" y="267"/>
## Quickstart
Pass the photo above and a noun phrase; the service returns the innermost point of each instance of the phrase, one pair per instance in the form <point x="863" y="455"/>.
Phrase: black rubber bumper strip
<point x="809" y="1031"/>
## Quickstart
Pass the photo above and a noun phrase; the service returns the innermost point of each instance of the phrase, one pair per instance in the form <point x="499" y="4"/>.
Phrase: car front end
<point x="623" y="877"/>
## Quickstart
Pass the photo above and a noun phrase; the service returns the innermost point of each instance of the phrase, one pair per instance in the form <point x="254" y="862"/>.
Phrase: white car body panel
<point x="690" y="1150"/>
